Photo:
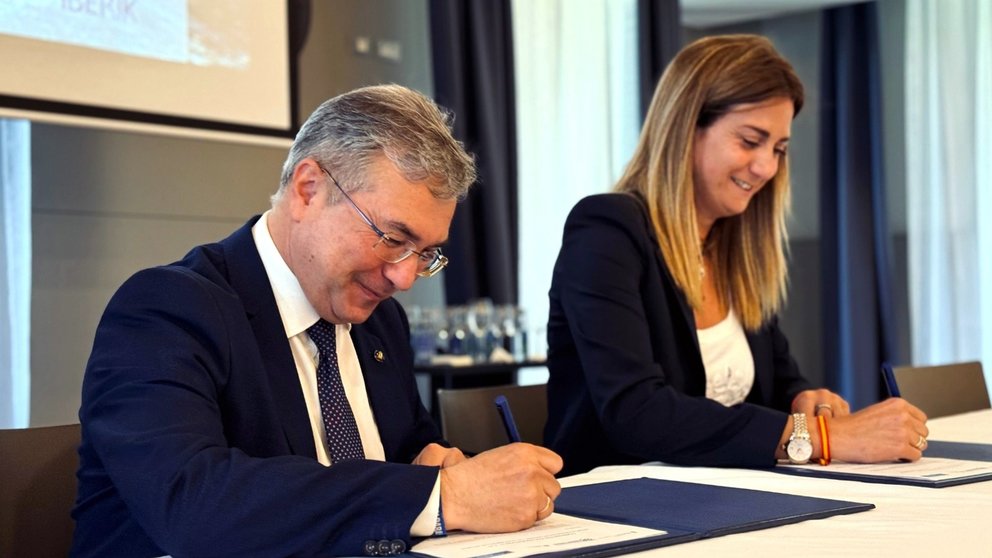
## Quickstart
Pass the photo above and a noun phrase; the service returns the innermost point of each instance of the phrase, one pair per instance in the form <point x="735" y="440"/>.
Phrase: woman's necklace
<point x="702" y="277"/>
<point x="702" y="260"/>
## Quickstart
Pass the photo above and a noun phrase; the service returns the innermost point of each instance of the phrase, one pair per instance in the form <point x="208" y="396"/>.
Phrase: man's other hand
<point x="435" y="455"/>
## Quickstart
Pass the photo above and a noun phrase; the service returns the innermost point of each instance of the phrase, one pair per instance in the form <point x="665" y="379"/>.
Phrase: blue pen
<point x="503" y="406"/>
<point x="890" y="379"/>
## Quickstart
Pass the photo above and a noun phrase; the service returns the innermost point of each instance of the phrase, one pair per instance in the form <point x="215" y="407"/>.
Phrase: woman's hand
<point x="888" y="431"/>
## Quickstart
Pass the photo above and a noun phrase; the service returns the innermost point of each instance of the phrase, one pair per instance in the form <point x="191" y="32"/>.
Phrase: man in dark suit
<point x="257" y="399"/>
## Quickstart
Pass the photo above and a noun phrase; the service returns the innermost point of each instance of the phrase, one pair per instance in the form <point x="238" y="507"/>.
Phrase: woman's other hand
<point x="820" y="401"/>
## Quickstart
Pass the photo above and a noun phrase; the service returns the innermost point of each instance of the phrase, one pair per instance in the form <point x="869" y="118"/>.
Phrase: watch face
<point x="799" y="450"/>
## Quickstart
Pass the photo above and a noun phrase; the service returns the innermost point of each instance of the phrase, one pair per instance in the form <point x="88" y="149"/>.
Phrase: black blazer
<point x="627" y="382"/>
<point x="195" y="435"/>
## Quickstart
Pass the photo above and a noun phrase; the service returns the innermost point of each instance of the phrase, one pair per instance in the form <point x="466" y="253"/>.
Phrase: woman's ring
<point x="920" y="443"/>
<point x="823" y="406"/>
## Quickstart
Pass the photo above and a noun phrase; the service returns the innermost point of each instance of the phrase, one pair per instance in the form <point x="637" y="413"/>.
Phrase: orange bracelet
<point x="824" y="440"/>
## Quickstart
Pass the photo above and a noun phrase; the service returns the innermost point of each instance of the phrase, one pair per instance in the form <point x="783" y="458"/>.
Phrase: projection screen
<point x="213" y="64"/>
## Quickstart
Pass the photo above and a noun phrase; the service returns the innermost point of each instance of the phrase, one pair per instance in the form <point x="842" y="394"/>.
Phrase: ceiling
<point x="709" y="13"/>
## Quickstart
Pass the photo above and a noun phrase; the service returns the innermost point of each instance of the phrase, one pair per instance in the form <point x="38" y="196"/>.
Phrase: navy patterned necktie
<point x="343" y="439"/>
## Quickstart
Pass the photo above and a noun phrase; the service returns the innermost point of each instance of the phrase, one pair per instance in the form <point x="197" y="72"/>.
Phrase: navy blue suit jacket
<point x="627" y="382"/>
<point x="195" y="434"/>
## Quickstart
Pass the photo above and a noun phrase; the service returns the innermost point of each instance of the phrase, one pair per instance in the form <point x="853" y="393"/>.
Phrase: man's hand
<point x="501" y="490"/>
<point x="435" y="455"/>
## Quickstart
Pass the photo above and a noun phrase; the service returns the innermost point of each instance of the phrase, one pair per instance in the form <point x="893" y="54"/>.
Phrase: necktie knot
<point x="323" y="335"/>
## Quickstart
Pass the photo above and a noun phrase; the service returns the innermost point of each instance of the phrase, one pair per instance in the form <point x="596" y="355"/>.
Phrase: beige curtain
<point x="949" y="179"/>
<point x="578" y="117"/>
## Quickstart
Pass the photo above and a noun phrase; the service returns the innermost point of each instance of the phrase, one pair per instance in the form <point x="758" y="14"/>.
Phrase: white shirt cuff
<point x="424" y="525"/>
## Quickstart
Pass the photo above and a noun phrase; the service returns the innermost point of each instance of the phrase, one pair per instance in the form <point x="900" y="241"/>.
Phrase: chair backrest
<point x="944" y="390"/>
<point x="37" y="490"/>
<point x="470" y="421"/>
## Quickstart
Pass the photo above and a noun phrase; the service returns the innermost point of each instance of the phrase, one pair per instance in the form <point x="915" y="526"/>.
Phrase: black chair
<point x="37" y="490"/>
<point x="470" y="421"/>
<point x="948" y="389"/>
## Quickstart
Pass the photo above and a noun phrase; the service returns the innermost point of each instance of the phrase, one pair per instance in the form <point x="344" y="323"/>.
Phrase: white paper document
<point x="557" y="533"/>
<point x="926" y="469"/>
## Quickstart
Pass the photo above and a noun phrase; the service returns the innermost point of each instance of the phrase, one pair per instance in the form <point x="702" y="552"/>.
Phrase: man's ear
<point x="307" y="184"/>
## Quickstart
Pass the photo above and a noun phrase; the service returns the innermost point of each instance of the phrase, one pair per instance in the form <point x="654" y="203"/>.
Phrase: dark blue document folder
<point x="938" y="479"/>
<point x="685" y="511"/>
<point x="690" y="511"/>
<point x="959" y="450"/>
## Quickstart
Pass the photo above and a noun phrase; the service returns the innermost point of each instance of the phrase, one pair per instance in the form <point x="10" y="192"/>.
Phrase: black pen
<point x="503" y="406"/>
<point x="890" y="379"/>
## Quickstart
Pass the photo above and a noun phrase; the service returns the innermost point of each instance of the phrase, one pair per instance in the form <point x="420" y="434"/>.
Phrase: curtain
<point x="659" y="30"/>
<point x="949" y="179"/>
<point x="298" y="22"/>
<point x="858" y="329"/>
<point x="15" y="273"/>
<point x="578" y="119"/>
<point x="472" y="49"/>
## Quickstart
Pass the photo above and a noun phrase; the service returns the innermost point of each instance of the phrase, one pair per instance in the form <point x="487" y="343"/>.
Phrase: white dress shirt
<point x="297" y="316"/>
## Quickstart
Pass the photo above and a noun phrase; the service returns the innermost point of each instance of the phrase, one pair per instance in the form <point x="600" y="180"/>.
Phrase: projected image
<point x="206" y="63"/>
<point x="203" y="33"/>
<point x="217" y="37"/>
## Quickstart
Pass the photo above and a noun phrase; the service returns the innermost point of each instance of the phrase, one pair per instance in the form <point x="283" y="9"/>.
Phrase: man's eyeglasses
<point x="394" y="250"/>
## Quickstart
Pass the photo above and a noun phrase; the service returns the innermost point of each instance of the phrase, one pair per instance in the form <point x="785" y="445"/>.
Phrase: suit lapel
<point x="695" y="376"/>
<point x="673" y="293"/>
<point x="695" y="373"/>
<point x="762" y="390"/>
<point x="248" y="278"/>
<point x="376" y="364"/>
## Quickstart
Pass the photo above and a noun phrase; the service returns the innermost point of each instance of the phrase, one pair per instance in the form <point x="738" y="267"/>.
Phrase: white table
<point x="907" y="520"/>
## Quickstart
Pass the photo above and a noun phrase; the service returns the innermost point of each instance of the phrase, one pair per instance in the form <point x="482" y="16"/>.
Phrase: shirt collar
<point x="295" y="310"/>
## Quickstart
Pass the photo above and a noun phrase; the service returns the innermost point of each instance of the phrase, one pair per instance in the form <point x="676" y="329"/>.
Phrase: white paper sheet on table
<point x="928" y="471"/>
<point x="557" y="533"/>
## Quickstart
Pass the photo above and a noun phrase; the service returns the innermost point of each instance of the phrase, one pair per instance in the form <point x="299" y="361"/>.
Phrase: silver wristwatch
<point x="799" y="448"/>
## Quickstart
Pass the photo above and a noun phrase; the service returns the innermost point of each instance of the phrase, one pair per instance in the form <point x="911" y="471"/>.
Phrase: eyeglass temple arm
<point x="354" y="205"/>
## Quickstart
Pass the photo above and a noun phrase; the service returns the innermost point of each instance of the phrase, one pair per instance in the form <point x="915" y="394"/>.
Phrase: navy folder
<point x="959" y="450"/>
<point x="935" y="448"/>
<point x="689" y="511"/>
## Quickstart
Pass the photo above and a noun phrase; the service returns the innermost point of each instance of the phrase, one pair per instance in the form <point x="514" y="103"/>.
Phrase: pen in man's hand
<point x="890" y="379"/>
<point x="503" y="406"/>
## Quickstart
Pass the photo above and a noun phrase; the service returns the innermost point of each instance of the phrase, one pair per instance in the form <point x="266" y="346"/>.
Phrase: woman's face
<point x="735" y="156"/>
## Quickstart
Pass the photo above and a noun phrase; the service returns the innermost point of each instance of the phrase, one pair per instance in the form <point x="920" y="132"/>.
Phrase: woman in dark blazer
<point x="663" y="337"/>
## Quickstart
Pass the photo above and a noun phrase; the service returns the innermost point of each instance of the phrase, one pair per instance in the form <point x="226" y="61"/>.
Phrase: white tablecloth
<point x="907" y="520"/>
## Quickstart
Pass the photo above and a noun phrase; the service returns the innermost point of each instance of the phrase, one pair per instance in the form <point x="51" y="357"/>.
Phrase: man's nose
<point x="402" y="274"/>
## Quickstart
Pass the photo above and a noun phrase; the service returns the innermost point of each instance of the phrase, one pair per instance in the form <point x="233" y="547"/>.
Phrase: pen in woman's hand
<point x="890" y="379"/>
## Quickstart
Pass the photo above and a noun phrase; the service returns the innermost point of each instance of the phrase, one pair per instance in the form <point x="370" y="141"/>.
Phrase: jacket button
<point x="397" y="546"/>
<point x="371" y="548"/>
<point x="384" y="547"/>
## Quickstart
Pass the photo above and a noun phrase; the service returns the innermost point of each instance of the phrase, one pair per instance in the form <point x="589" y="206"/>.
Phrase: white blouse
<point x="728" y="361"/>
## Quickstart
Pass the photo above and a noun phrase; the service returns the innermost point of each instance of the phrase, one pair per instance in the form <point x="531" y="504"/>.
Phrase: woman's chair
<point x="948" y="389"/>
<point x="470" y="421"/>
<point x="37" y="490"/>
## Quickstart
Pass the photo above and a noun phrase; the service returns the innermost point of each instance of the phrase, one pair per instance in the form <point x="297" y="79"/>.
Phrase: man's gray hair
<point x="348" y="132"/>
